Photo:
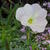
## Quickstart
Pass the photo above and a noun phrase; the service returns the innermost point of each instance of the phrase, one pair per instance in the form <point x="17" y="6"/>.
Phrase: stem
<point x="27" y="38"/>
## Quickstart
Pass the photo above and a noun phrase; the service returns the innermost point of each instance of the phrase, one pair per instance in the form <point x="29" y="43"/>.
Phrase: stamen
<point x="30" y="21"/>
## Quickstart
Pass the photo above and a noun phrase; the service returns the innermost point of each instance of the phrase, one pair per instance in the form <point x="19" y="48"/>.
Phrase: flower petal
<point x="36" y="9"/>
<point x="43" y="13"/>
<point x="19" y="13"/>
<point x="39" y="25"/>
<point x="28" y="11"/>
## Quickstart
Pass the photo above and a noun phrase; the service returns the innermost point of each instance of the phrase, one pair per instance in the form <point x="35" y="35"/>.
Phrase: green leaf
<point x="11" y="12"/>
<point x="34" y="46"/>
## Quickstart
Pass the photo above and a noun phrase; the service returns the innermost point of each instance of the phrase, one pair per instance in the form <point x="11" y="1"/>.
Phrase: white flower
<point x="33" y="16"/>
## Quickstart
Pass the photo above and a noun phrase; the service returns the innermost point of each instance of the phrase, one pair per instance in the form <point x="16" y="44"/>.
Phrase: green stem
<point x="27" y="38"/>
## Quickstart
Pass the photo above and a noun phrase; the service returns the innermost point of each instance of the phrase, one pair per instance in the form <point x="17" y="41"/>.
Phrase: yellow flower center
<point x="30" y="21"/>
